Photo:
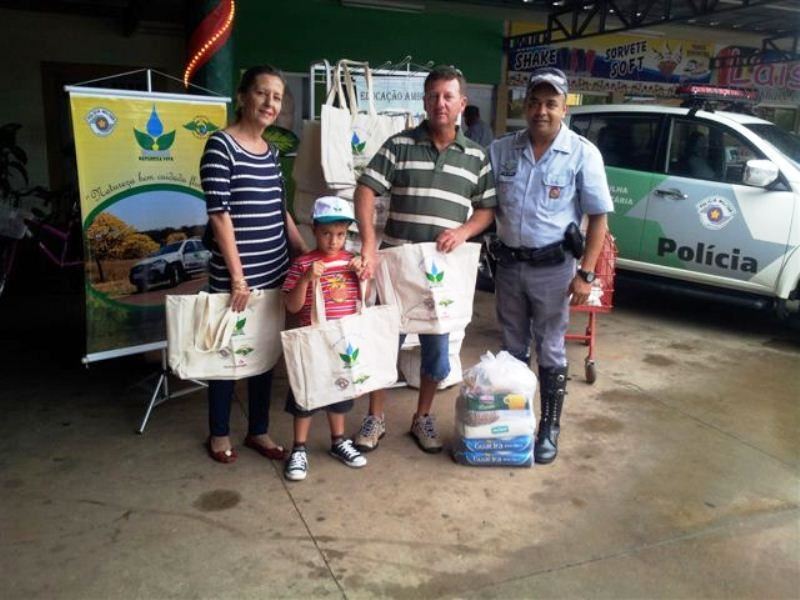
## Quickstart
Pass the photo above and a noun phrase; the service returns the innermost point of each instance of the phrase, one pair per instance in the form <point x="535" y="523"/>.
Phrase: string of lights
<point x="209" y="37"/>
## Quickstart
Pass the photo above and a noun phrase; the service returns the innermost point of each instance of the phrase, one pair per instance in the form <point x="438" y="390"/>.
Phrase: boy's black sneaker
<point x="346" y="452"/>
<point x="297" y="466"/>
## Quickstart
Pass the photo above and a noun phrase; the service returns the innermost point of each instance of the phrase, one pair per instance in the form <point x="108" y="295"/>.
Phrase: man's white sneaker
<point x="423" y="430"/>
<point x="373" y="428"/>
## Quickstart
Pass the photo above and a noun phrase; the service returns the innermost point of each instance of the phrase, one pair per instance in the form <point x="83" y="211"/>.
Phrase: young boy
<point x="337" y="272"/>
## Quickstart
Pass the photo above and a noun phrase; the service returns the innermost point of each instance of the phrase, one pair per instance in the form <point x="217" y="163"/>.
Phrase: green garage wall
<point x="292" y="33"/>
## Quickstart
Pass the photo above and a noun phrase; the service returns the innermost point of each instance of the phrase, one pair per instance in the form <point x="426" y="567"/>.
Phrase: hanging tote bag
<point x="350" y="139"/>
<point x="332" y="361"/>
<point x="207" y="340"/>
<point x="307" y="168"/>
<point x="433" y="290"/>
<point x="307" y="172"/>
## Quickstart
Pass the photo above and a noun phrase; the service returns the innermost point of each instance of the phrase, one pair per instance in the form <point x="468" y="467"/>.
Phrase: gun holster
<point x="573" y="240"/>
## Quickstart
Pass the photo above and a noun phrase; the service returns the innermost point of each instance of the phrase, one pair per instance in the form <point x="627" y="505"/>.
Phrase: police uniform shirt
<point x="537" y="200"/>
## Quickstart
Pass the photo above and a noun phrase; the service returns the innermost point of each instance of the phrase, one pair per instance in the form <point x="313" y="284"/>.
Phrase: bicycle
<point x="17" y="227"/>
<point x="13" y="228"/>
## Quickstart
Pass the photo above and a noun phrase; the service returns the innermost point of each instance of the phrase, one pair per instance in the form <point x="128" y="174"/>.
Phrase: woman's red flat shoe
<point x="223" y="456"/>
<point x="276" y="453"/>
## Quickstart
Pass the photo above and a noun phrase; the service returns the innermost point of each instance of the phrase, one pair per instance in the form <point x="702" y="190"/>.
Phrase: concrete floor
<point x="679" y="477"/>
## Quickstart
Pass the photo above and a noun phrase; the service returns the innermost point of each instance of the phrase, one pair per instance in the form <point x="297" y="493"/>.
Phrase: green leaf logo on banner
<point x="144" y="140"/>
<point x="154" y="142"/>
<point x="201" y="126"/>
<point x="166" y="140"/>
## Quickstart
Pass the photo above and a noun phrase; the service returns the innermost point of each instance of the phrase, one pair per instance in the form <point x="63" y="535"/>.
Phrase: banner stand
<point x="161" y="393"/>
<point x="137" y="155"/>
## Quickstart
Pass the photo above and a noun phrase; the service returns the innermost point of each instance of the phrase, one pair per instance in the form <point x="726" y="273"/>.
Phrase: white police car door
<point x="704" y="221"/>
<point x="193" y="256"/>
<point x="628" y="143"/>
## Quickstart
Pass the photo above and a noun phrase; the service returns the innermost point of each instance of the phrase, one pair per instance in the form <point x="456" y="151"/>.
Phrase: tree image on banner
<point x="103" y="237"/>
<point x="127" y="261"/>
<point x="176" y="236"/>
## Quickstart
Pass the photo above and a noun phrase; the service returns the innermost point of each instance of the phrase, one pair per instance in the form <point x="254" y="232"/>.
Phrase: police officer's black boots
<point x="552" y="388"/>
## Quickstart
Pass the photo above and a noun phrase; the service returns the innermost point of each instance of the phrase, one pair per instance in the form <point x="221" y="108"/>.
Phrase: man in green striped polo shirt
<point x="435" y="177"/>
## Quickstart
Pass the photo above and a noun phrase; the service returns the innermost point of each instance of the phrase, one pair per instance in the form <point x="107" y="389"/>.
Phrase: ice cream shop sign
<point x="619" y="58"/>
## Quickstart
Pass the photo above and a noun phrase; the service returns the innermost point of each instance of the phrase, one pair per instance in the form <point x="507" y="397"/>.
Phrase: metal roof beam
<point x="587" y="18"/>
<point x="771" y="52"/>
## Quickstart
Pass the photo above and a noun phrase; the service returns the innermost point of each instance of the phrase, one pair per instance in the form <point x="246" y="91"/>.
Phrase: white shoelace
<point x="297" y="461"/>
<point x="346" y="448"/>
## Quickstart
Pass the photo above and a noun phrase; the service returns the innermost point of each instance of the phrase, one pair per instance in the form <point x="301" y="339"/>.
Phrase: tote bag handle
<point x="209" y="336"/>
<point x="350" y="86"/>
<point x="318" y="299"/>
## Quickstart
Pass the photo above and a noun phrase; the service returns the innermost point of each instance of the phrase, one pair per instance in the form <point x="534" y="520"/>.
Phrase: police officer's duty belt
<point x="550" y="255"/>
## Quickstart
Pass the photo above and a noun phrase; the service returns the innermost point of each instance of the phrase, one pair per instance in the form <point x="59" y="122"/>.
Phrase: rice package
<point x="495" y="423"/>
<point x="495" y="459"/>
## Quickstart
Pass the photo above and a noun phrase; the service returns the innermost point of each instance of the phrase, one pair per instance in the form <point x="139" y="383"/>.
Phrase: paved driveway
<point x="678" y="477"/>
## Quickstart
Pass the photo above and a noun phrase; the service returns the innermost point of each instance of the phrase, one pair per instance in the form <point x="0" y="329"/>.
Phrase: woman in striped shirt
<point x="243" y="186"/>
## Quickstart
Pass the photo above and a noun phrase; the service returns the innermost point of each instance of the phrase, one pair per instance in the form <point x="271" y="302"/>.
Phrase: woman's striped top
<point x="249" y="187"/>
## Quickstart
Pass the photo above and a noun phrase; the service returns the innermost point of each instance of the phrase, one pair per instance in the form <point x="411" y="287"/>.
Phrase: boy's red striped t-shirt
<point x="339" y="285"/>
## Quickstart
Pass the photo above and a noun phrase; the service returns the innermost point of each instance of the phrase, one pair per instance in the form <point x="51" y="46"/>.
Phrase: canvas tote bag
<point x="433" y="290"/>
<point x="207" y="340"/>
<point x="332" y="361"/>
<point x="307" y="172"/>
<point x="350" y="139"/>
<point x="307" y="168"/>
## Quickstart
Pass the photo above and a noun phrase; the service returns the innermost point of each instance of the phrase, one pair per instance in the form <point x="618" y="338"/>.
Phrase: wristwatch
<point x="587" y="276"/>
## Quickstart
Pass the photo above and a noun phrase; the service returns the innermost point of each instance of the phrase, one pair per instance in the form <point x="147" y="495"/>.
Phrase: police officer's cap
<point x="551" y="76"/>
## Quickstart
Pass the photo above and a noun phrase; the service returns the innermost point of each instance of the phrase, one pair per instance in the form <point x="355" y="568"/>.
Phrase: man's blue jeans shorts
<point x="435" y="363"/>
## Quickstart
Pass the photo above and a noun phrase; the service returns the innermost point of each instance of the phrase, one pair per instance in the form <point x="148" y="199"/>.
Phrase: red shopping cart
<point x="600" y="301"/>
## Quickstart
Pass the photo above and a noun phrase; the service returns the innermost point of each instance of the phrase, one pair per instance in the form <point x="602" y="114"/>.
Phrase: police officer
<point x="547" y="178"/>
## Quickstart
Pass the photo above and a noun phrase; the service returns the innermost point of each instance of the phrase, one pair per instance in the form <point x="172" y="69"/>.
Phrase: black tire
<point x="142" y="287"/>
<point x="591" y="372"/>
<point x="173" y="275"/>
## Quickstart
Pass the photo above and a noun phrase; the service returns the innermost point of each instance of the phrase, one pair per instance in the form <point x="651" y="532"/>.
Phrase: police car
<point x="707" y="197"/>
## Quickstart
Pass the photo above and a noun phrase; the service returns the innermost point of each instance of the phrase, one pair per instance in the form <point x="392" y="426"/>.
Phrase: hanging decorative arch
<point x="209" y="36"/>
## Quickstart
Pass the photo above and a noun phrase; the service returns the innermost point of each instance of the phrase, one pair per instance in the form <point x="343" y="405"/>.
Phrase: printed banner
<point x="142" y="207"/>
<point x="776" y="82"/>
<point x="620" y="57"/>
<point x="392" y="93"/>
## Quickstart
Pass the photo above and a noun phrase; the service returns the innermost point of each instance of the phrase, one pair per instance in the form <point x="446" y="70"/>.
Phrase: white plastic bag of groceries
<point x="500" y="373"/>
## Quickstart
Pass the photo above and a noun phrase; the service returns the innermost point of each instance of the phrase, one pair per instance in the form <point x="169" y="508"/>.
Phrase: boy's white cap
<point x="329" y="209"/>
